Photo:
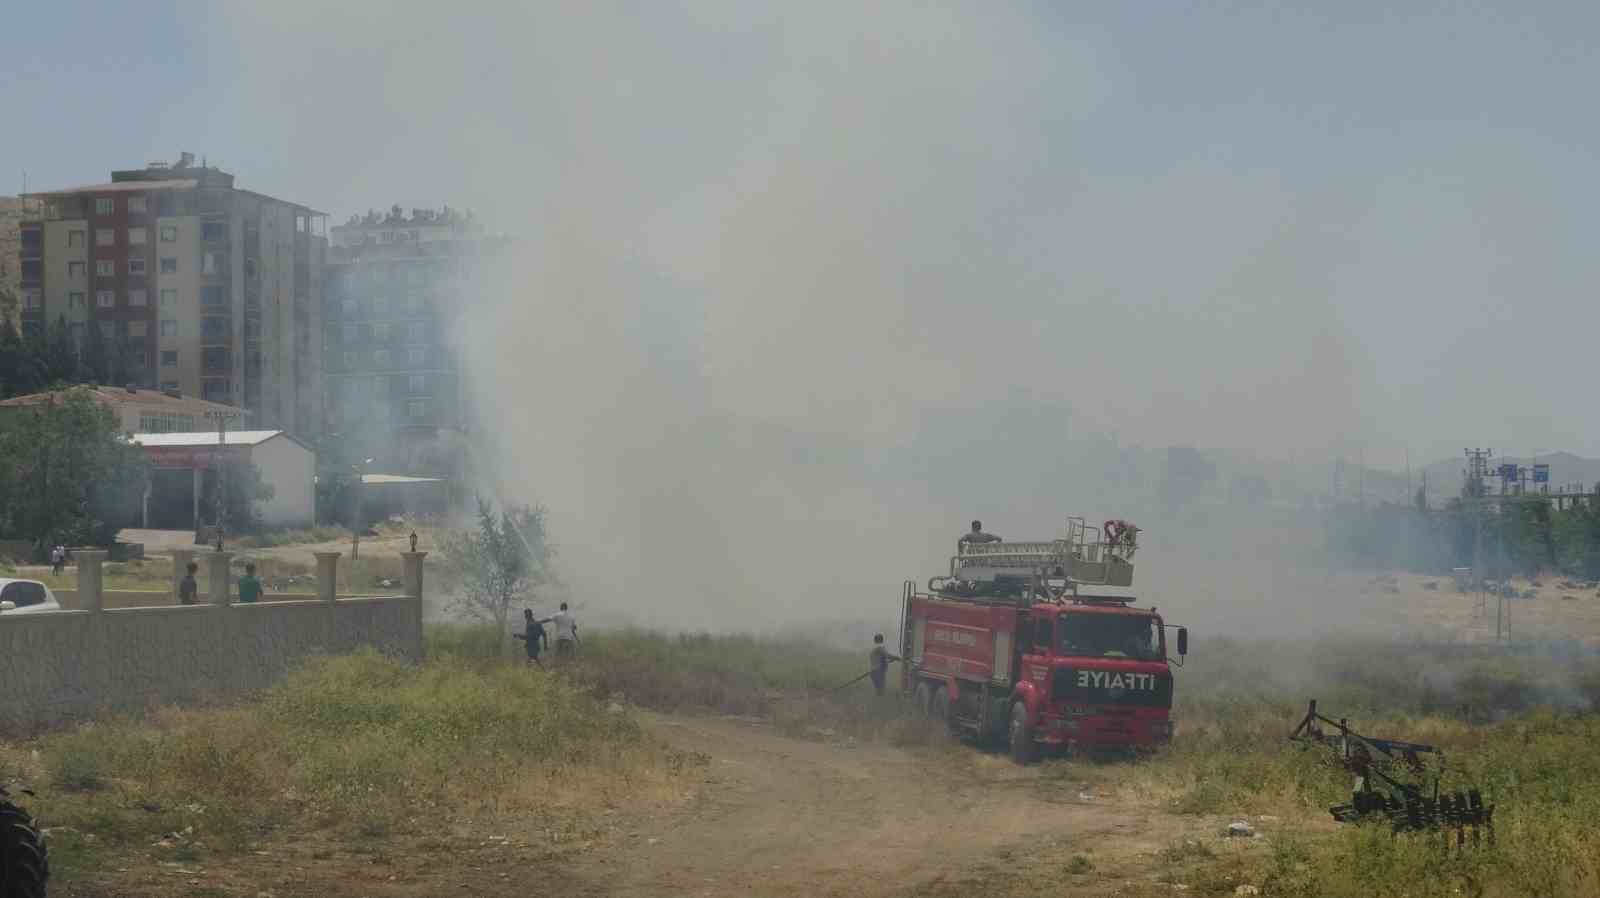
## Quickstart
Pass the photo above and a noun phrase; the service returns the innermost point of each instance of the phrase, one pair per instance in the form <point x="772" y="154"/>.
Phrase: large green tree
<point x="66" y="473"/>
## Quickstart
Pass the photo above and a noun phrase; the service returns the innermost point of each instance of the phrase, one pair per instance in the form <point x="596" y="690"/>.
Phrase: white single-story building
<point x="181" y="460"/>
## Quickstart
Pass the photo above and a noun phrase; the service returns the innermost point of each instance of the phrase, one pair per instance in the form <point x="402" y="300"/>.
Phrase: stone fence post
<point x="218" y="572"/>
<point x="92" y="598"/>
<point x="180" y="564"/>
<point x="413" y="572"/>
<point x="91" y="583"/>
<point x="327" y="576"/>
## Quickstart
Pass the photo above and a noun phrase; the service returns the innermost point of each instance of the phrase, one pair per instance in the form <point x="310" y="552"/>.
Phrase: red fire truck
<point x="1006" y="647"/>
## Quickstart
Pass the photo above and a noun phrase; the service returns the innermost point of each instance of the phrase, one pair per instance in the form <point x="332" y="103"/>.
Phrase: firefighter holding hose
<point x="880" y="663"/>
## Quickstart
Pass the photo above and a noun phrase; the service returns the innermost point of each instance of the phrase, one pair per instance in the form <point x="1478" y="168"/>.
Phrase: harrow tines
<point x="1406" y="806"/>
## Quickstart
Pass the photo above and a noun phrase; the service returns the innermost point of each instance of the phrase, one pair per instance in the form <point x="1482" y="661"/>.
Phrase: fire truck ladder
<point x="1083" y="556"/>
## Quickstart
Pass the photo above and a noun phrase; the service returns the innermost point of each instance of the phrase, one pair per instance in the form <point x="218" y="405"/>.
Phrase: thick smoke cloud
<point x="801" y="289"/>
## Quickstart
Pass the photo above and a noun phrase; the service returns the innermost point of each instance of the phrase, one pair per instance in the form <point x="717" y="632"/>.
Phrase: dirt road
<point x="786" y="817"/>
<point x="769" y="816"/>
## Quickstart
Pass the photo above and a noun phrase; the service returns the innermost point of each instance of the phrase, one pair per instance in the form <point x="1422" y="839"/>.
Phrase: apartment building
<point x="199" y="287"/>
<point x="392" y="289"/>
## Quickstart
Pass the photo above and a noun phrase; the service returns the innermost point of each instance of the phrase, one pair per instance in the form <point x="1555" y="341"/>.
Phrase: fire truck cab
<point x="1007" y="648"/>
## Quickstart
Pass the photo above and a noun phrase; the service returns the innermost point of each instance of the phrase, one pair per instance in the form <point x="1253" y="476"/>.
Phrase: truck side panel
<point x="965" y="641"/>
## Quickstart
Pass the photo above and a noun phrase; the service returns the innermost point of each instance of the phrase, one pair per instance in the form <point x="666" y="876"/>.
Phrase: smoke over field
<point x="801" y="290"/>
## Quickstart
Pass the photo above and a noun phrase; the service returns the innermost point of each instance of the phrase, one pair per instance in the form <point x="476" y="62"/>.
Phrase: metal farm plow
<point x="1391" y="783"/>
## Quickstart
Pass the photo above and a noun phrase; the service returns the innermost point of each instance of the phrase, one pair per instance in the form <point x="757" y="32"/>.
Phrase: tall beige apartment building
<point x="201" y="288"/>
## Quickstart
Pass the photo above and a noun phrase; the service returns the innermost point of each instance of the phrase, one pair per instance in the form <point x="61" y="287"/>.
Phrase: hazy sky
<point x="773" y="248"/>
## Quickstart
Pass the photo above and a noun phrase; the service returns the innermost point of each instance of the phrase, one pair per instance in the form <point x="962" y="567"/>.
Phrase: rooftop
<point x="118" y="187"/>
<point x="207" y="438"/>
<point x="142" y="397"/>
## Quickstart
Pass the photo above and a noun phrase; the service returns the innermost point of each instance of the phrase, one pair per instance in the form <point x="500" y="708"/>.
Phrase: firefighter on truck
<point x="1010" y="647"/>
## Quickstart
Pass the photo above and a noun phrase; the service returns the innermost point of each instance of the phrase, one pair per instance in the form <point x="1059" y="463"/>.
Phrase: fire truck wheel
<point x="921" y="697"/>
<point x="939" y="705"/>
<point x="1022" y="747"/>
<point x="24" y="866"/>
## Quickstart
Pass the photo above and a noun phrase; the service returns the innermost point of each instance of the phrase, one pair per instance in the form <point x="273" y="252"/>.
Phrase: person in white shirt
<point x="566" y="627"/>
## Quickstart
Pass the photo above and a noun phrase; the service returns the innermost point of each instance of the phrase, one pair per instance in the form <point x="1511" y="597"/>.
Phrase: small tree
<point x="505" y="560"/>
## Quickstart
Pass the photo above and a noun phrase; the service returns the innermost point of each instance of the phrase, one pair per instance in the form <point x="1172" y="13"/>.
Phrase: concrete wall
<point x="66" y="665"/>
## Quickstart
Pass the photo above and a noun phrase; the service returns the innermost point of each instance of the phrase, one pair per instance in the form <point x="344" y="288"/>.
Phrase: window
<point x="169" y="297"/>
<point x="416" y="355"/>
<point x="380" y="358"/>
<point x="414" y="304"/>
<point x="380" y="307"/>
<point x="352" y="359"/>
<point x="169" y="327"/>
<point x="1110" y="635"/>
<point x="105" y="299"/>
<point x="351" y="308"/>
<point x="214" y="231"/>
<point x="74" y="239"/>
<point x="136" y="298"/>
<point x="213" y="296"/>
<point x="136" y="266"/>
<point x="208" y="263"/>
<point x="417" y="409"/>
<point x="105" y="268"/>
<point x="415" y="332"/>
<point x="105" y="205"/>
<point x="108" y="329"/>
<point x="166" y="422"/>
<point x="171" y="386"/>
<point x="169" y="358"/>
<point x="1041" y="636"/>
<point x="32" y="298"/>
<point x="75" y="300"/>
<point x="136" y="236"/>
<point x="214" y="359"/>
<point x="418" y="385"/>
<point x="22" y="594"/>
<point x="169" y="266"/>
<point x="214" y="390"/>
<point x="352" y="334"/>
<point x="169" y="233"/>
<point x="380" y="332"/>
<point x="77" y="269"/>
<point x="105" y="237"/>
<point x="136" y="205"/>
<point x="138" y="328"/>
<point x="213" y="327"/>
<point x="249" y="268"/>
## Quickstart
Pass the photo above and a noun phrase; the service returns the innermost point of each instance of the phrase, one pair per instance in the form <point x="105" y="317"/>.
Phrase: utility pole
<point x="221" y="417"/>
<point x="1476" y="494"/>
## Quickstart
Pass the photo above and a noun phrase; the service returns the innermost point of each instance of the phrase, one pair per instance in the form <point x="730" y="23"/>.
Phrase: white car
<point x="26" y="597"/>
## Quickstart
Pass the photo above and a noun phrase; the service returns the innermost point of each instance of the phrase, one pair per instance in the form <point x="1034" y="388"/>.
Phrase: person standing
<point x="533" y="637"/>
<point x="880" y="658"/>
<point x="58" y="559"/>
<point x="188" y="590"/>
<point x="249" y="584"/>
<point x="566" y="632"/>
<point x="976" y="535"/>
